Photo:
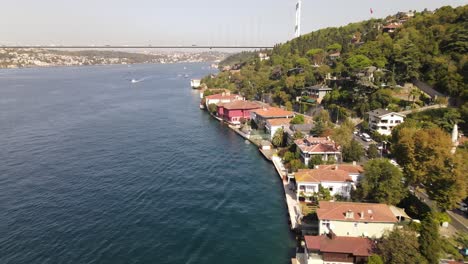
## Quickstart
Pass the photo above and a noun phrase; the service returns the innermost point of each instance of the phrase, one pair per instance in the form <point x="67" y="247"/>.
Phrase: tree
<point x="375" y="259"/>
<point x="400" y="247"/>
<point x="288" y="156"/>
<point x="373" y="151"/>
<point x="353" y="152"/>
<point x="295" y="165"/>
<point x="324" y="194"/>
<point x="288" y="106"/>
<point x="212" y="108"/>
<point x="298" y="119"/>
<point x="382" y="183"/>
<point x="278" y="138"/>
<point x="298" y="135"/>
<point x="358" y="62"/>
<point x="425" y="155"/>
<point x="429" y="240"/>
<point x="314" y="160"/>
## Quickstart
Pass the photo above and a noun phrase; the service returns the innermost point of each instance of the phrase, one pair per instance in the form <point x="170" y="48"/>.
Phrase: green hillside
<point x="430" y="47"/>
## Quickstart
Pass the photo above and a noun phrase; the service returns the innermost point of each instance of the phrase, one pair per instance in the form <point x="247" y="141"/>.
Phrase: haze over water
<point x="94" y="169"/>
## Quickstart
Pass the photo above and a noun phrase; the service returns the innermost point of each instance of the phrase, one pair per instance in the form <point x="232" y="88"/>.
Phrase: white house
<point x="337" y="181"/>
<point x="358" y="219"/>
<point x="260" y="116"/>
<point x="383" y="121"/>
<point x="272" y="125"/>
<point x="221" y="98"/>
<point x="318" y="92"/>
<point x="321" y="146"/>
<point x="354" y="171"/>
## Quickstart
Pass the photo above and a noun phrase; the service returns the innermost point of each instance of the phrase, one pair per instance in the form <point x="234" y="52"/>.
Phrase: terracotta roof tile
<point x="241" y="105"/>
<point x="279" y="121"/>
<point x="346" y="167"/>
<point x="316" y="145"/>
<point x="321" y="175"/>
<point x="358" y="246"/>
<point x="273" y="112"/>
<point x="372" y="212"/>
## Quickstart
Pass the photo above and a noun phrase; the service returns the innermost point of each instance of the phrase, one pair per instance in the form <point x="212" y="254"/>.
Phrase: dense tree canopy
<point x="382" y="183"/>
<point x="426" y="158"/>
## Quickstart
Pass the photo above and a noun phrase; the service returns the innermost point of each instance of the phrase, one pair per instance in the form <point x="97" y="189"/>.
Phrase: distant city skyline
<point x="184" y="22"/>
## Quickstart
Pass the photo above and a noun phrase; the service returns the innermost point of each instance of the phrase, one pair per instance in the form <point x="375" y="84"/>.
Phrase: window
<point x="355" y="224"/>
<point x="330" y="189"/>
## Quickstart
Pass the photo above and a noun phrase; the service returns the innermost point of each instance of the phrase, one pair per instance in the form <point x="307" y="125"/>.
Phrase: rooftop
<point x="319" y="88"/>
<point x="273" y="112"/>
<point x="278" y="121"/>
<point x="426" y="88"/>
<point x="355" y="212"/>
<point x="349" y="168"/>
<point x="241" y="104"/>
<point x="316" y="145"/>
<point x="321" y="175"/>
<point x="382" y="112"/>
<point x="358" y="246"/>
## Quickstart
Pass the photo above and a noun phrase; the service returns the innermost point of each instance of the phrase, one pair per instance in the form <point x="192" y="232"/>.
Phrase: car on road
<point x="366" y="137"/>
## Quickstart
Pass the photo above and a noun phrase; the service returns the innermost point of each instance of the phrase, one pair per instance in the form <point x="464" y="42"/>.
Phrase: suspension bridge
<point x="297" y="33"/>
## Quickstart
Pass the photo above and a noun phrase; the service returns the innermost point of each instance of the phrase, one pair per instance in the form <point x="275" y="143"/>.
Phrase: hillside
<point x="367" y="63"/>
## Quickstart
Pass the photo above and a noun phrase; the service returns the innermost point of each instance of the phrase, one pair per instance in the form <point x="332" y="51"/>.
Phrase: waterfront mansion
<point x="318" y="146"/>
<point x="338" y="179"/>
<point x="358" y="219"/>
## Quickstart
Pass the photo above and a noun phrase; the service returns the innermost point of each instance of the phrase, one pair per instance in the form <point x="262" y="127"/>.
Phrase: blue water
<point x="94" y="169"/>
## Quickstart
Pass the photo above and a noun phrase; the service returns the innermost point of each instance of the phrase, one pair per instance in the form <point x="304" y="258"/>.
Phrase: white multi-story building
<point x="383" y="121"/>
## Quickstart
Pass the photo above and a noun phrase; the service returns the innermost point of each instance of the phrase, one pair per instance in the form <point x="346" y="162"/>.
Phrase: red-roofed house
<point x="260" y="116"/>
<point x="337" y="249"/>
<point x="338" y="182"/>
<point x="234" y="111"/>
<point x="322" y="146"/>
<point x="354" y="171"/>
<point x="356" y="219"/>
<point x="221" y="98"/>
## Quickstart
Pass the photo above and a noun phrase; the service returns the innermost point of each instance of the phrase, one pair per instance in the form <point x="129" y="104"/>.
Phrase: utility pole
<point x="297" y="31"/>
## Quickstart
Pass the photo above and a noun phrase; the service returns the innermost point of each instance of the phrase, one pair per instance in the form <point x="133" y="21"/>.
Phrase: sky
<point x="183" y="22"/>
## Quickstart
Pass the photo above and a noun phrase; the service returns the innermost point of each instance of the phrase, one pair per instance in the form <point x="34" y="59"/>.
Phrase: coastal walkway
<point x="293" y="207"/>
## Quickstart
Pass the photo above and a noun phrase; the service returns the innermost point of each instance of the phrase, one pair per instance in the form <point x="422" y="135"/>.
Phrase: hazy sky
<point x="183" y="22"/>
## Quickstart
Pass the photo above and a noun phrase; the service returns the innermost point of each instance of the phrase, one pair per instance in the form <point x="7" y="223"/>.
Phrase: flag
<point x="371" y="11"/>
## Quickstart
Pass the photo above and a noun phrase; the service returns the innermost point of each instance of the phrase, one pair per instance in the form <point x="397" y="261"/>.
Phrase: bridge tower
<point x="297" y="30"/>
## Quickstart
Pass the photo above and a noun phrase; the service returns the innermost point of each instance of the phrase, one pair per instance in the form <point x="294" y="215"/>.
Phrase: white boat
<point x="134" y="81"/>
<point x="186" y="76"/>
<point x="195" y="83"/>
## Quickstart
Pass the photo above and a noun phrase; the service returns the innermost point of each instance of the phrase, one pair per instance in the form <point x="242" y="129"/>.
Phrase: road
<point x="459" y="222"/>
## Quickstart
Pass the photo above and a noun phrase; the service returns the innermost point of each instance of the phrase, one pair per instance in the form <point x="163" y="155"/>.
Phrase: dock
<point x="294" y="210"/>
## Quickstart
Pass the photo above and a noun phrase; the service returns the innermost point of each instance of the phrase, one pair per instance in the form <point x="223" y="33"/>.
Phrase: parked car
<point x="366" y="137"/>
<point x="463" y="207"/>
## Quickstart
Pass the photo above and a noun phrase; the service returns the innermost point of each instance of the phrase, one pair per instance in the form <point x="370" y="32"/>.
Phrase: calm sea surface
<point x="94" y="169"/>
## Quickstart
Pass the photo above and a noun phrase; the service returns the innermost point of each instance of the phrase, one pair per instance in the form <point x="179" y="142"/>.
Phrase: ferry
<point x="195" y="83"/>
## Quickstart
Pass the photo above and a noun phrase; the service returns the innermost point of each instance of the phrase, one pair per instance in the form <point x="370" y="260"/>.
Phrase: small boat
<point x="195" y="83"/>
<point x="186" y="76"/>
<point x="134" y="81"/>
<point x="202" y="106"/>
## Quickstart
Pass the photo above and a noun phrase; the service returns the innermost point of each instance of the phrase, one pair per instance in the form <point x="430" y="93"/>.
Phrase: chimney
<point x="362" y="214"/>
<point x="349" y="214"/>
